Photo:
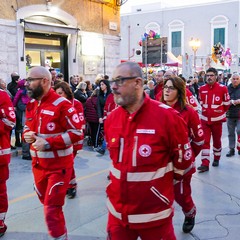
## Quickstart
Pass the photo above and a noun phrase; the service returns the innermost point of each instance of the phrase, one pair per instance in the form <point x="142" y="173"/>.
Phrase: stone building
<point x="72" y="36"/>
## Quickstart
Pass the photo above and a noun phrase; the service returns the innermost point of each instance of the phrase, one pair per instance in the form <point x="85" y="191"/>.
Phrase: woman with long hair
<point x="104" y="91"/>
<point x="174" y="95"/>
<point x="63" y="89"/>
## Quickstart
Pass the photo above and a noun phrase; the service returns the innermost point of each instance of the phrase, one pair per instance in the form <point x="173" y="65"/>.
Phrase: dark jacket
<point x="102" y="98"/>
<point x="12" y="87"/>
<point x="80" y="96"/>
<point x="91" y="109"/>
<point x="234" y="110"/>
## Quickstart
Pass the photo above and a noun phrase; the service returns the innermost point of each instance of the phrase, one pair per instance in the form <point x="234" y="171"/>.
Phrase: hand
<point x="29" y="137"/>
<point x="39" y="143"/>
<point x="100" y="120"/>
<point x="237" y="102"/>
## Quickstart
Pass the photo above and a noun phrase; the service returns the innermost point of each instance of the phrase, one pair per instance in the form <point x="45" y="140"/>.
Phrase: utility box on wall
<point x="155" y="50"/>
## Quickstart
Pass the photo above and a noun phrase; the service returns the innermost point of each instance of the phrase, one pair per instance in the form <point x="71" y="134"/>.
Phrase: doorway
<point x="47" y="50"/>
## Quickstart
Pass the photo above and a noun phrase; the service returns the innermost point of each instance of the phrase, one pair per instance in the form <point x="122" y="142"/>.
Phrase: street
<point x="216" y="194"/>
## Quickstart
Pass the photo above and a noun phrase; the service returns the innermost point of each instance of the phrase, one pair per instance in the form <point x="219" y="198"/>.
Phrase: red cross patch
<point x="145" y="150"/>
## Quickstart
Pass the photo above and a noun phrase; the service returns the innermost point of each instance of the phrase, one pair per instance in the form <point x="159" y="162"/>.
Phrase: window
<point x="219" y="30"/>
<point x="219" y="36"/>
<point x="176" y="43"/>
<point x="176" y="37"/>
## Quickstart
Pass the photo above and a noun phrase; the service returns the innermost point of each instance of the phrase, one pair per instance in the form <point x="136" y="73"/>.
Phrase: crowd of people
<point x="151" y="165"/>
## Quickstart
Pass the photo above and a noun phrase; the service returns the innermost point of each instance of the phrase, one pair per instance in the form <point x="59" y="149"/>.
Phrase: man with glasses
<point x="233" y="118"/>
<point x="159" y="84"/>
<point x="52" y="126"/>
<point x="215" y="101"/>
<point x="147" y="156"/>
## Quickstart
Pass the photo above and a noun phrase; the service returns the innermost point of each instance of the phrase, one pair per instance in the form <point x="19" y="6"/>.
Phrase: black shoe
<point x="238" y="152"/>
<point x="13" y="148"/>
<point x="101" y="151"/>
<point x="231" y="152"/>
<point x="203" y="168"/>
<point x="3" y="229"/>
<point x="27" y="157"/>
<point x="71" y="193"/>
<point x="215" y="163"/>
<point x="188" y="224"/>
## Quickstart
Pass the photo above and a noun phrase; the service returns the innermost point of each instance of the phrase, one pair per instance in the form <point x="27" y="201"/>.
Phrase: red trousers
<point x="116" y="231"/>
<point x="51" y="187"/>
<point x="214" y="130"/>
<point x="4" y="175"/>
<point x="73" y="182"/>
<point x="183" y="197"/>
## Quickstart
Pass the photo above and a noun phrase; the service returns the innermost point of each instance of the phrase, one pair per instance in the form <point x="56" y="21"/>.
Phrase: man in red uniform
<point x="215" y="101"/>
<point x="146" y="157"/>
<point x="7" y="121"/>
<point x="159" y="84"/>
<point x="52" y="127"/>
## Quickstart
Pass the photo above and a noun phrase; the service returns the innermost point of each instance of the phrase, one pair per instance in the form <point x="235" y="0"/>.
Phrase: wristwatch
<point x="46" y="146"/>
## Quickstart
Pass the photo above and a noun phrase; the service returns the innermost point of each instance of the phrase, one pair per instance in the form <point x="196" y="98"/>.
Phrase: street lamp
<point x="194" y="44"/>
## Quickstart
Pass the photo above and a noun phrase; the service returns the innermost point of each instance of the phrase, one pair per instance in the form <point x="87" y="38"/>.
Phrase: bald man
<point x="145" y="154"/>
<point x="52" y="126"/>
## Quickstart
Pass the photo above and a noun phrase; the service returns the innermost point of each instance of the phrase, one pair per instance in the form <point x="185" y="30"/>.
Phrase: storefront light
<point x="92" y="46"/>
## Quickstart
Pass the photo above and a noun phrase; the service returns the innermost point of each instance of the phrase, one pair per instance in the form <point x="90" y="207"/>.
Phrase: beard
<point x="124" y="101"/>
<point x="35" y="93"/>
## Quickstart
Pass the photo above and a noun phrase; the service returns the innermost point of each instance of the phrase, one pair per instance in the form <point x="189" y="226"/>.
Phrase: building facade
<point x="210" y="23"/>
<point x="72" y="36"/>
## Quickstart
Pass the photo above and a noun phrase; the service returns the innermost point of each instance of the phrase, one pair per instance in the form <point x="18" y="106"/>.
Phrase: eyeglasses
<point x="169" y="88"/>
<point x="29" y="80"/>
<point x="210" y="75"/>
<point x="120" y="80"/>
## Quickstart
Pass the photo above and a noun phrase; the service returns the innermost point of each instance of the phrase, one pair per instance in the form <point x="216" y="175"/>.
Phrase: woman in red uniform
<point x="63" y="89"/>
<point x="174" y="95"/>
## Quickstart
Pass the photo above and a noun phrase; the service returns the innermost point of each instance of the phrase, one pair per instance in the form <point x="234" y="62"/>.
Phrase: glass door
<point x="46" y="50"/>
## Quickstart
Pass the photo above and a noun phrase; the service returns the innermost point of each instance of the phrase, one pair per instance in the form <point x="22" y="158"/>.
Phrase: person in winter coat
<point x="91" y="116"/>
<point x="104" y="91"/>
<point x="20" y="101"/>
<point x="174" y="95"/>
<point x="63" y="89"/>
<point x="7" y="121"/>
<point x="80" y="93"/>
<point x="146" y="157"/>
<point x="74" y="81"/>
<point x="52" y="127"/>
<point x="233" y="115"/>
<point x="12" y="86"/>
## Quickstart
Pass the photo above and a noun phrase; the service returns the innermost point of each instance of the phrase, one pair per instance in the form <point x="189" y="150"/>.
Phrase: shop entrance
<point x="46" y="50"/>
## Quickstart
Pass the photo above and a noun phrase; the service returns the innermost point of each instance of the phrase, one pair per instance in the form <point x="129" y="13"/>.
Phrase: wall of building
<point x="90" y="16"/>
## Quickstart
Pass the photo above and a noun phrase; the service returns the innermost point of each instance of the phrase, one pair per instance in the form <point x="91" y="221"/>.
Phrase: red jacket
<point x="215" y="102"/>
<point x="79" y="108"/>
<point x="195" y="131"/>
<point x="7" y="121"/>
<point x="191" y="100"/>
<point x="55" y="119"/>
<point x="109" y="105"/>
<point x="146" y="148"/>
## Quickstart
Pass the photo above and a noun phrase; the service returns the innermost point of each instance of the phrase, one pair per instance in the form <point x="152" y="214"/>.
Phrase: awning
<point x="50" y="28"/>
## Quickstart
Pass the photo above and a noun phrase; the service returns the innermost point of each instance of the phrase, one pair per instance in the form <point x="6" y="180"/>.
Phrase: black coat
<point x="233" y="111"/>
